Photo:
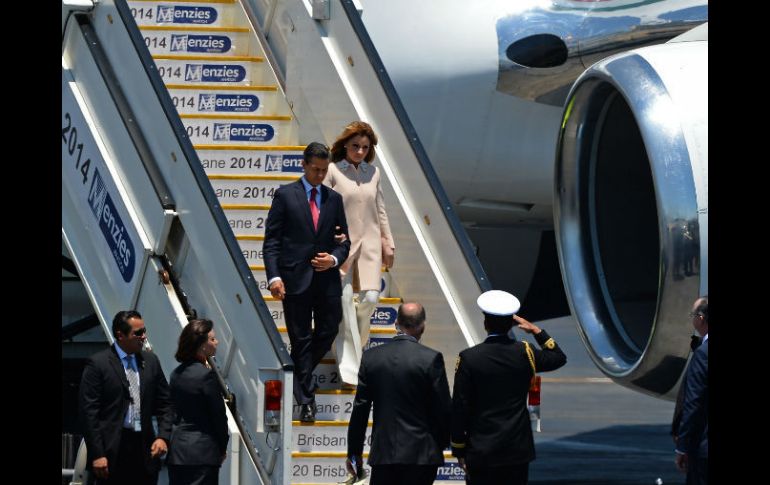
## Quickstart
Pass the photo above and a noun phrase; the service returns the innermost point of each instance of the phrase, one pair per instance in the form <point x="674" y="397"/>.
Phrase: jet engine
<point x="631" y="208"/>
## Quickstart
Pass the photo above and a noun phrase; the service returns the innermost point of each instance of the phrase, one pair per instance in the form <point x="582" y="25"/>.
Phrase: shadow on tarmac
<point x="615" y="455"/>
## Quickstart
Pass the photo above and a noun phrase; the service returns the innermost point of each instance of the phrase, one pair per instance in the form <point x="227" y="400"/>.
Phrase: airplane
<point x="538" y="150"/>
<point x="522" y="132"/>
<point x="571" y="138"/>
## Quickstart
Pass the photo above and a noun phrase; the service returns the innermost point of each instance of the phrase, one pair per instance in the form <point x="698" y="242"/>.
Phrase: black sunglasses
<point x="140" y="332"/>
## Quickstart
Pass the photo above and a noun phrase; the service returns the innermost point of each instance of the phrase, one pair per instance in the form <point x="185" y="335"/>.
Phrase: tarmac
<point x="597" y="432"/>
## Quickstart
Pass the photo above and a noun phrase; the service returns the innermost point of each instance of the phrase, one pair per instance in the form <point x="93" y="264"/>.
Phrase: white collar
<point x="705" y="337"/>
<point x="344" y="164"/>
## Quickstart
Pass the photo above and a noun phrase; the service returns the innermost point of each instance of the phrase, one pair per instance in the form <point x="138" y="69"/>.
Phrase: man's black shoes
<point x="307" y="413"/>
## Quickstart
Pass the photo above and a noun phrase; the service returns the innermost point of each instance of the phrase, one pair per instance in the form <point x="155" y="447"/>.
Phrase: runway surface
<point x="596" y="432"/>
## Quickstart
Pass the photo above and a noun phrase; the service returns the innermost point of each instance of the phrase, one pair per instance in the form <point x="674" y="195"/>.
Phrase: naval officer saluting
<point x="491" y="433"/>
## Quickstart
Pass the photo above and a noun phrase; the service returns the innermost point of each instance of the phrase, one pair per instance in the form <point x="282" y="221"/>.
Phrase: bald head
<point x="700" y="315"/>
<point x="411" y="319"/>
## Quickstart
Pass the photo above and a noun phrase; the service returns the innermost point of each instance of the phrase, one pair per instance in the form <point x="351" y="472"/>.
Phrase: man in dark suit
<point x="302" y="260"/>
<point x="693" y="434"/>
<point x="407" y="383"/>
<point x="695" y="341"/>
<point x="491" y="430"/>
<point x="122" y="388"/>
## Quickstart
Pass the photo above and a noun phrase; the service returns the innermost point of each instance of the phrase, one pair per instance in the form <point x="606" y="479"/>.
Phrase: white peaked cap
<point x="496" y="302"/>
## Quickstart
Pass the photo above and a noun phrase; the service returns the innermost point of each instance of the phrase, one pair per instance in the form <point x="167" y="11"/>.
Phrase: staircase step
<point x="246" y="219"/>
<point x="250" y="159"/>
<point x="383" y="316"/>
<point x="213" y="13"/>
<point x="374" y="341"/>
<point x="248" y="189"/>
<point x="259" y="273"/>
<point x="324" y="436"/>
<point x="309" y="468"/>
<point x="266" y="130"/>
<point x="248" y="100"/>
<point x="331" y="405"/>
<point x="215" y="41"/>
<point x="235" y="71"/>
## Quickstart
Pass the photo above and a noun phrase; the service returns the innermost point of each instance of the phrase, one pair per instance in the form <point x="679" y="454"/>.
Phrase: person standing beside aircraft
<point x="122" y="388"/>
<point x="491" y="430"/>
<point x="692" y="444"/>
<point x="199" y="439"/>
<point x="358" y="181"/>
<point x="406" y="383"/>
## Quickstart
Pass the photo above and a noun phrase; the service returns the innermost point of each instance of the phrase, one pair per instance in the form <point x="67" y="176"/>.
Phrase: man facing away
<point x="692" y="444"/>
<point x="302" y="260"/>
<point x="491" y="430"/>
<point x="407" y="384"/>
<point x="121" y="389"/>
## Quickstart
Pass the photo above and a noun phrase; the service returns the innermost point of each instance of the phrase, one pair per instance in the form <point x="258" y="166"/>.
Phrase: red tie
<point x="314" y="208"/>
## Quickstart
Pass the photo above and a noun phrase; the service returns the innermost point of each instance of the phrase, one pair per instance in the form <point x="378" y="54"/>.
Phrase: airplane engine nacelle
<point x="631" y="209"/>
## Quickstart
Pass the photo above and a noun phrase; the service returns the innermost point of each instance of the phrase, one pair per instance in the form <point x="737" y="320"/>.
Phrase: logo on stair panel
<point x="213" y="44"/>
<point x="450" y="471"/>
<point x="376" y="342"/>
<point x="283" y="163"/>
<point x="112" y="227"/>
<point x="242" y="132"/>
<point x="228" y="102"/>
<point x="383" y="316"/>
<point x="214" y="73"/>
<point x="177" y="14"/>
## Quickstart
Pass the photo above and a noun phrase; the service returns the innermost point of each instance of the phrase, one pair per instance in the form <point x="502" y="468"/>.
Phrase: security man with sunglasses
<point x="122" y="388"/>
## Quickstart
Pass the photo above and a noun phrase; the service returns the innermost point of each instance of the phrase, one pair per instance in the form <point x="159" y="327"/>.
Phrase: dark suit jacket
<point x="407" y="383"/>
<point x="694" y="425"/>
<point x="490" y="420"/>
<point x="104" y="399"/>
<point x="200" y="433"/>
<point x="291" y="242"/>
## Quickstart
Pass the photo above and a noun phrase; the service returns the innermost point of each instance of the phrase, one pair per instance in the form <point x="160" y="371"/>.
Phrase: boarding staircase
<point x="248" y="109"/>
<point x="248" y="140"/>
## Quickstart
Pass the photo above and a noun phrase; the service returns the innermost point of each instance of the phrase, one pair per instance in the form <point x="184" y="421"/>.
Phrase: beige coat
<point x="367" y="220"/>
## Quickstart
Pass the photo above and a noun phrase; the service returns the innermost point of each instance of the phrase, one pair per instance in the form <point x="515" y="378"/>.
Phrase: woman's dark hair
<point x="356" y="128"/>
<point x="193" y="335"/>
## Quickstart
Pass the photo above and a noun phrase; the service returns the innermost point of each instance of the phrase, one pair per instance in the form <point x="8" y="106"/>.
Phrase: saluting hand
<point x="526" y="325"/>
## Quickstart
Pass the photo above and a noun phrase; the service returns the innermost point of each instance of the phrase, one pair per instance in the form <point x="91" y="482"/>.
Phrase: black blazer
<point x="407" y="383"/>
<point x="490" y="420"/>
<point x="200" y="433"/>
<point x="104" y="398"/>
<point x="291" y="242"/>
<point x="694" y="425"/>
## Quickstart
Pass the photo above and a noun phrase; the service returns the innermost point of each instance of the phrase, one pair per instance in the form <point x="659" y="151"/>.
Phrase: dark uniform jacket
<point x="291" y="242"/>
<point x="407" y="383"/>
<point x="490" y="421"/>
<point x="694" y="425"/>
<point x="200" y="434"/>
<point x="104" y="399"/>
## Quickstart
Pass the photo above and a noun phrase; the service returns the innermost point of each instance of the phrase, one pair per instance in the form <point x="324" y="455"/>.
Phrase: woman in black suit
<point x="199" y="439"/>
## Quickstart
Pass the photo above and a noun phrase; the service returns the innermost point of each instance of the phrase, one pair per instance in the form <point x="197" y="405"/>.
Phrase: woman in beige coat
<point x="371" y="243"/>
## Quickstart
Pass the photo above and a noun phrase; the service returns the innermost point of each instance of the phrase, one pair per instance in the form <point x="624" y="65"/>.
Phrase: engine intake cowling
<point x="631" y="209"/>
